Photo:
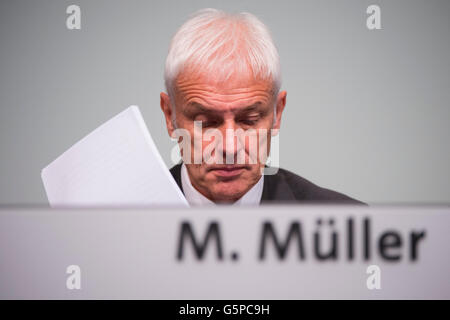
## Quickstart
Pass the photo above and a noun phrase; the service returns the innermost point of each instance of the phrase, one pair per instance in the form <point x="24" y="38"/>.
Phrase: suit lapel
<point x="276" y="188"/>
<point x="176" y="174"/>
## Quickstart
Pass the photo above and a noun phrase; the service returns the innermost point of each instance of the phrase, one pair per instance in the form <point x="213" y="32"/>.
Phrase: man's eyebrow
<point x="205" y="109"/>
<point x="249" y="108"/>
<point x="198" y="106"/>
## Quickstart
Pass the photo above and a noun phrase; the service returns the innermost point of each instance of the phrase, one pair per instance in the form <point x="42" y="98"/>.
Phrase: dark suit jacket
<point x="287" y="187"/>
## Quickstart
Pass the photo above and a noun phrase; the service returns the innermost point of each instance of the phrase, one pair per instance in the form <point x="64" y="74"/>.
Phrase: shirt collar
<point x="195" y="198"/>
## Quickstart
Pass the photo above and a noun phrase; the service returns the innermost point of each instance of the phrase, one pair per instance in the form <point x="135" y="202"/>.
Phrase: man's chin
<point x="227" y="192"/>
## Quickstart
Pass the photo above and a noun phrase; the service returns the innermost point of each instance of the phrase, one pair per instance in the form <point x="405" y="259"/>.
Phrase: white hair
<point x="222" y="44"/>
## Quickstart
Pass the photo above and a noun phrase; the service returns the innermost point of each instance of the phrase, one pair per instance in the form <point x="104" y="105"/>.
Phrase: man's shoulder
<point x="176" y="174"/>
<point x="176" y="169"/>
<point x="286" y="186"/>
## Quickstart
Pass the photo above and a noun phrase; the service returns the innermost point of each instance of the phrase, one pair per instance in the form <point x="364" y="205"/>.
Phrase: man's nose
<point x="230" y="145"/>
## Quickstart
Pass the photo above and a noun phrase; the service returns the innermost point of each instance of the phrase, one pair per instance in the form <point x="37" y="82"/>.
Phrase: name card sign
<point x="269" y="252"/>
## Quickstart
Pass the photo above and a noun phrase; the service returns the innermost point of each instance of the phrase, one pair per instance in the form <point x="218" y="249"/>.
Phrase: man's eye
<point x="208" y="123"/>
<point x="249" y="122"/>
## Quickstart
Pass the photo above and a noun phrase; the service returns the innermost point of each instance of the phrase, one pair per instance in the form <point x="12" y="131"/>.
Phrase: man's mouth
<point x="227" y="171"/>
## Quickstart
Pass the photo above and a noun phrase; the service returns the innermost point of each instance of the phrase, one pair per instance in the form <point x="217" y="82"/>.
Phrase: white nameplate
<point x="271" y="252"/>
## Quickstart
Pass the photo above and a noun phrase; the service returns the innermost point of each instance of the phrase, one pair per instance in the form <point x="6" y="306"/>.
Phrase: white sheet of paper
<point x="117" y="164"/>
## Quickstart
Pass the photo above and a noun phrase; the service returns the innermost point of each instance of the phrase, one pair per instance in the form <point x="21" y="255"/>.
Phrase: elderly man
<point x="222" y="72"/>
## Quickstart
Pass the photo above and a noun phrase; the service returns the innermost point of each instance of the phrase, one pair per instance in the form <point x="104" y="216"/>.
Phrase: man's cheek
<point x="264" y="146"/>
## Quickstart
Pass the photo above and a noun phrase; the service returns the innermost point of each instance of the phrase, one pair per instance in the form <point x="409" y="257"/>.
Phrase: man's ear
<point x="280" y="104"/>
<point x="166" y="108"/>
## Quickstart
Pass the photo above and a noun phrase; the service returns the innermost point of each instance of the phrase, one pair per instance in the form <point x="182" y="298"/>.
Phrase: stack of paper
<point x="115" y="165"/>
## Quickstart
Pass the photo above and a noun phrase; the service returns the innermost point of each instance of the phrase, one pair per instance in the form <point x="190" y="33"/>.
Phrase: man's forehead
<point x="205" y="93"/>
<point x="237" y="82"/>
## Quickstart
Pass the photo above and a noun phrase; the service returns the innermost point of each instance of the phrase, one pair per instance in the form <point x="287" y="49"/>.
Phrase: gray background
<point x="367" y="111"/>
